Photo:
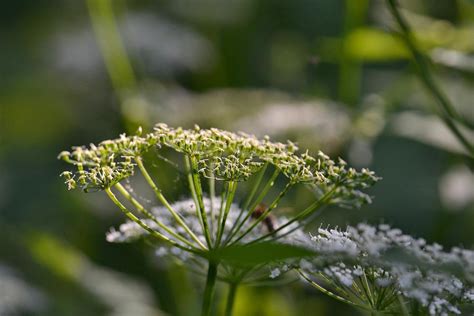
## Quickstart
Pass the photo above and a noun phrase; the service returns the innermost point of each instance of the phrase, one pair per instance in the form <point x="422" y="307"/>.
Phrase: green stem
<point x="261" y="173"/>
<point x="448" y="113"/>
<point x="247" y="201"/>
<point x="209" y="290"/>
<point x="259" y="199"/>
<point x="212" y="195"/>
<point x="265" y="214"/>
<point x="110" y="43"/>
<point x="117" y="62"/>
<point x="231" y="188"/>
<point x="231" y="298"/>
<point x="165" y="202"/>
<point x="306" y="212"/>
<point x="143" y="225"/>
<point x="199" y="198"/>
<point x="366" y="286"/>
<point x="187" y="166"/>
<point x="329" y="293"/>
<point x="150" y="216"/>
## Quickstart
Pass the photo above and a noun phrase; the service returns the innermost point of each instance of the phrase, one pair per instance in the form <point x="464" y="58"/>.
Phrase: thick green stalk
<point x="149" y="215"/>
<point x="448" y="113"/>
<point x="209" y="289"/>
<point x="231" y="298"/>
<point x="165" y="202"/>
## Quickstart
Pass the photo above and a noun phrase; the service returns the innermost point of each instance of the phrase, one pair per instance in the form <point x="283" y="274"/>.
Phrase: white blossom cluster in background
<point x="130" y="231"/>
<point x="380" y="268"/>
<point x="16" y="296"/>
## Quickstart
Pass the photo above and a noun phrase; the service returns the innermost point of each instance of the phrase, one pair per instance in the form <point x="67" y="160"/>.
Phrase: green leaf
<point x="259" y="253"/>
<point x="369" y="44"/>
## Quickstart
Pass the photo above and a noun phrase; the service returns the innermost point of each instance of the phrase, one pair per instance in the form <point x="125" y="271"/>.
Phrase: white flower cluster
<point x="101" y="166"/>
<point x="18" y="297"/>
<point x="217" y="154"/>
<point x="369" y="260"/>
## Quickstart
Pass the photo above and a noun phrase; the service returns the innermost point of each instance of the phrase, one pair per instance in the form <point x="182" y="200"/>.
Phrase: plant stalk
<point x="150" y="216"/>
<point x="143" y="225"/>
<point x="265" y="214"/>
<point x="231" y="188"/>
<point x="231" y="299"/>
<point x="448" y="113"/>
<point x="259" y="199"/>
<point x="165" y="202"/>
<point x="209" y="289"/>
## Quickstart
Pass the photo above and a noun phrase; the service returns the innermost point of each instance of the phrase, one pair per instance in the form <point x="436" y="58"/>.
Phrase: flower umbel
<point x="382" y="269"/>
<point x="205" y="223"/>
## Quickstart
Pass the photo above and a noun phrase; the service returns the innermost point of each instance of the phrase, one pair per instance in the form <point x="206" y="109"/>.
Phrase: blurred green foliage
<point x="218" y="64"/>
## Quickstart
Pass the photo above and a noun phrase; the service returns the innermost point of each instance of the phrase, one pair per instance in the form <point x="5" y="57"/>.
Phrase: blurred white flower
<point x="456" y="188"/>
<point x="16" y="296"/>
<point x="428" y="129"/>
<point x="386" y="263"/>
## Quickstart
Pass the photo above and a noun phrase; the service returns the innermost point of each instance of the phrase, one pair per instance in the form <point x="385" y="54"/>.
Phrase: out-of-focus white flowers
<point x="16" y="296"/>
<point x="380" y="268"/>
<point x="456" y="188"/>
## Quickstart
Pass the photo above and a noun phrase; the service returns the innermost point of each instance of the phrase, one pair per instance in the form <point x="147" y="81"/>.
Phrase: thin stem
<point x="448" y="111"/>
<point x="199" y="198"/>
<point x="265" y="214"/>
<point x="259" y="199"/>
<point x="231" y="298"/>
<point x="209" y="290"/>
<point x="245" y="206"/>
<point x="212" y="195"/>
<point x="289" y="232"/>
<point x="260" y="175"/>
<point x="149" y="215"/>
<point x="187" y="166"/>
<point x="142" y="224"/>
<point x="329" y="293"/>
<point x="366" y="287"/>
<point x="225" y="192"/>
<point x="309" y="210"/>
<point x="231" y="188"/>
<point x="165" y="202"/>
<point x="264" y="191"/>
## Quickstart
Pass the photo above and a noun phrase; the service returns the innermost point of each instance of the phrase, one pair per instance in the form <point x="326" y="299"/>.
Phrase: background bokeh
<point x="331" y="75"/>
